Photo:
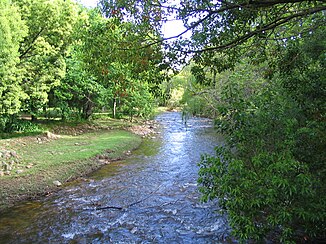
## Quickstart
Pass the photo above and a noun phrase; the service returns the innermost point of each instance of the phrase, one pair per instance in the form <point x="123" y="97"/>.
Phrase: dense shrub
<point x="270" y="176"/>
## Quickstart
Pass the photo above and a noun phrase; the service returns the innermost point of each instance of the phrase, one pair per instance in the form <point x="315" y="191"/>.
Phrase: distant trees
<point x="57" y="55"/>
<point x="108" y="69"/>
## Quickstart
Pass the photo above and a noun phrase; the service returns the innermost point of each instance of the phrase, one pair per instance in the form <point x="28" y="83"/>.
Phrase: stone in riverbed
<point x="57" y="183"/>
<point x="50" y="135"/>
<point x="13" y="154"/>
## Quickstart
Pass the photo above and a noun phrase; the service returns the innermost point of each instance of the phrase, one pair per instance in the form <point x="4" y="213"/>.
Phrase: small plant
<point x="10" y="124"/>
<point x="25" y="126"/>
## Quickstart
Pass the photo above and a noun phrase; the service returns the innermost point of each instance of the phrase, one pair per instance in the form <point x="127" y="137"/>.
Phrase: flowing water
<point x="151" y="197"/>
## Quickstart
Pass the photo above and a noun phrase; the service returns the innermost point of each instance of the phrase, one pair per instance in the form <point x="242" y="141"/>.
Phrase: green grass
<point x="114" y="123"/>
<point x="72" y="148"/>
<point x="62" y="159"/>
<point x="42" y="125"/>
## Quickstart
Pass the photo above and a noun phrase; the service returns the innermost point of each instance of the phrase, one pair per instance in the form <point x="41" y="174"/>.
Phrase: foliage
<point x="271" y="175"/>
<point x="140" y="102"/>
<point x="59" y="59"/>
<point x="258" y="67"/>
<point x="194" y="100"/>
<point x="42" y="51"/>
<point x="122" y="75"/>
<point x="14" y="124"/>
<point x="12" y="31"/>
<point x="219" y="25"/>
<point x="303" y="70"/>
<point x="79" y="90"/>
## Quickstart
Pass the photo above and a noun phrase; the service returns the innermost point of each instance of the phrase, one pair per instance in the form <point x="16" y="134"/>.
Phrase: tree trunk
<point x="87" y="110"/>
<point x="34" y="118"/>
<point x="63" y="114"/>
<point x="131" y="116"/>
<point x="114" y="108"/>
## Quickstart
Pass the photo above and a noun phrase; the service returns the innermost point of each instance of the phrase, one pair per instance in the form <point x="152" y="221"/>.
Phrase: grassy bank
<point x="45" y="160"/>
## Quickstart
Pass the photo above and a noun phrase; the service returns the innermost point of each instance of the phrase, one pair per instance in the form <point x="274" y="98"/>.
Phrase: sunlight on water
<point x="150" y="197"/>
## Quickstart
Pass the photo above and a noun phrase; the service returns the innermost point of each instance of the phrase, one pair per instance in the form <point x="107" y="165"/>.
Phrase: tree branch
<point x="173" y="37"/>
<point x="260" y="4"/>
<point x="253" y="5"/>
<point x="125" y="207"/>
<point x="231" y="6"/>
<point x="32" y="43"/>
<point x="269" y="26"/>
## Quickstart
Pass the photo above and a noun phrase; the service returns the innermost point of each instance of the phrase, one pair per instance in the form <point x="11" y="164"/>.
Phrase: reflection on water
<point x="150" y="197"/>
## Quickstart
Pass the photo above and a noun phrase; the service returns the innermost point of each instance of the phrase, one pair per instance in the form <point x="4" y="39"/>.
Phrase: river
<point x="151" y="197"/>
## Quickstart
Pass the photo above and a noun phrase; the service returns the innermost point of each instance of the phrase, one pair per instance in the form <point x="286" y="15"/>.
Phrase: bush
<point x="11" y="124"/>
<point x="270" y="177"/>
<point x="25" y="126"/>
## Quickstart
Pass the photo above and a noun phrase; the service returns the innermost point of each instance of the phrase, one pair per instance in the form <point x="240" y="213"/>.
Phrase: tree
<point x="302" y="72"/>
<point x="42" y="51"/>
<point x="220" y="25"/>
<point x="111" y="52"/>
<point x="269" y="176"/>
<point x="12" y="32"/>
<point x="106" y="70"/>
<point x="79" y="92"/>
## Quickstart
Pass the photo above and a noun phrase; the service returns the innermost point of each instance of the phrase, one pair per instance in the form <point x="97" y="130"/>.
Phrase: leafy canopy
<point x="12" y="32"/>
<point x="219" y="25"/>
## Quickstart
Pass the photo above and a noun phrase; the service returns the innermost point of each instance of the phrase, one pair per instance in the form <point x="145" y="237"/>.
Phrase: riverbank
<point x="35" y="166"/>
<point x="113" y="205"/>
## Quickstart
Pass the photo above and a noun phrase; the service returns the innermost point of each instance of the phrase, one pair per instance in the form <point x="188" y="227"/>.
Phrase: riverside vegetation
<point x="60" y="64"/>
<point x="256" y="67"/>
<point x="37" y="165"/>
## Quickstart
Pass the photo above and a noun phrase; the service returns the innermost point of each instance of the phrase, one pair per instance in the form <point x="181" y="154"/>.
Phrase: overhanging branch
<point x="269" y="26"/>
<point x="218" y="9"/>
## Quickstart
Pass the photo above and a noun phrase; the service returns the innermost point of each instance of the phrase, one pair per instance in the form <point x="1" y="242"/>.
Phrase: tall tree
<point x="112" y="53"/>
<point x="12" y="32"/>
<point x="50" y="24"/>
<point x="106" y="67"/>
